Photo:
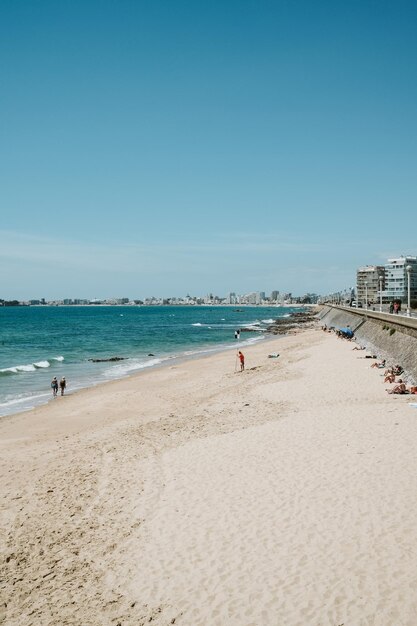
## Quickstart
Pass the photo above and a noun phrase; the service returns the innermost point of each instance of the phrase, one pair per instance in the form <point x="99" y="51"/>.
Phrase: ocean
<point x="38" y="343"/>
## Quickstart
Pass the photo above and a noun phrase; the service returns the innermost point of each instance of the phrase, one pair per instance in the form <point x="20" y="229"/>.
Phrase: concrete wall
<point x="389" y="337"/>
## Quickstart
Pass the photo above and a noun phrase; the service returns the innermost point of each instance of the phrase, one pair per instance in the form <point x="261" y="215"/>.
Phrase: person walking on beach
<point x="62" y="384"/>
<point x="242" y="360"/>
<point x="54" y="386"/>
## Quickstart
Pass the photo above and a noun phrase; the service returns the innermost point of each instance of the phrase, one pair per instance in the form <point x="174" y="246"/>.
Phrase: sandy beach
<point x="197" y="496"/>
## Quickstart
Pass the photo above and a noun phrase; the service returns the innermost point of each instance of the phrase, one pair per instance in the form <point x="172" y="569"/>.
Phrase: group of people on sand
<point x="62" y="385"/>
<point x="343" y="333"/>
<point x="391" y="376"/>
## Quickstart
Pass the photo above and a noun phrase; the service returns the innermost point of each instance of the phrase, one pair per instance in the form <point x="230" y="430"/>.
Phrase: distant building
<point x="367" y="282"/>
<point x="309" y="298"/>
<point x="274" y="296"/>
<point x="251" y="297"/>
<point x="396" y="279"/>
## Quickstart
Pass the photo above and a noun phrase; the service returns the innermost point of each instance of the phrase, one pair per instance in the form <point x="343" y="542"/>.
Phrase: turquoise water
<point x="38" y="343"/>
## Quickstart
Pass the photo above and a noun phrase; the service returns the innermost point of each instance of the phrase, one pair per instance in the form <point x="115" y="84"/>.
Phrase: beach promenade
<point x="193" y="495"/>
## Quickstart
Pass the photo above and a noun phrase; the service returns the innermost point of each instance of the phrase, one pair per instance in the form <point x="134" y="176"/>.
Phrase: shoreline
<point x="195" y="495"/>
<point x="166" y="361"/>
<point x="249" y="336"/>
<point x="106" y="387"/>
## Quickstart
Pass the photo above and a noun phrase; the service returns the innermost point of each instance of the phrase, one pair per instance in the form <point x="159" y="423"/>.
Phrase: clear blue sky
<point x="166" y="147"/>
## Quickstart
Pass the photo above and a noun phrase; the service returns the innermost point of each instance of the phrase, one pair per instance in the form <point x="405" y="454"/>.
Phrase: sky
<point x="168" y="147"/>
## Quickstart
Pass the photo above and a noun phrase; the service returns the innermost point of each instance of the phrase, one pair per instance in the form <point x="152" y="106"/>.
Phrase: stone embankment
<point x="387" y="336"/>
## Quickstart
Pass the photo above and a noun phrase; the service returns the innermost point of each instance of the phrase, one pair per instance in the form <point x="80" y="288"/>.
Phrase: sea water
<point x="37" y="343"/>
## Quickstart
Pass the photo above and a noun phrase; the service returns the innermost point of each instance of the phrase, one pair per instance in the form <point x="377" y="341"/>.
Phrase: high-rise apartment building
<point x="368" y="282"/>
<point x="396" y="279"/>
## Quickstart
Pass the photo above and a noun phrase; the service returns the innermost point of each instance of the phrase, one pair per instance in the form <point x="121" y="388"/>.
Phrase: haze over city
<point x="171" y="148"/>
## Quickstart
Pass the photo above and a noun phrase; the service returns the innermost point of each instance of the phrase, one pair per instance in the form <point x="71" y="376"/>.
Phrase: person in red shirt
<point x="242" y="361"/>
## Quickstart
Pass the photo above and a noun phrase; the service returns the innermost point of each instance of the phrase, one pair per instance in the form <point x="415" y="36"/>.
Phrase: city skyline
<point x="157" y="148"/>
<point x="232" y="298"/>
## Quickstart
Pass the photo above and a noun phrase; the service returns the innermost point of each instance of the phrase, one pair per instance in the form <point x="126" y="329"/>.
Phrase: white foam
<point x="22" y="403"/>
<point x="256" y="326"/>
<point x="22" y="400"/>
<point x="30" y="367"/>
<point x="253" y="339"/>
<point x="118" y="371"/>
<point x="42" y="364"/>
<point x="203" y="351"/>
<point x="271" y="321"/>
<point x="198" y="324"/>
<point x="25" y="368"/>
<point x="6" y="370"/>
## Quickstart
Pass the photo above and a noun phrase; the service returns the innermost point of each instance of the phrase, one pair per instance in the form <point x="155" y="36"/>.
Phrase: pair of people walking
<point x="54" y="385"/>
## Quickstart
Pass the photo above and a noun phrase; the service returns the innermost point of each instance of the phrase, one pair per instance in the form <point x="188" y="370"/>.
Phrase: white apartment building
<point x="367" y="282"/>
<point x="251" y="298"/>
<point x="231" y="298"/>
<point x="396" y="279"/>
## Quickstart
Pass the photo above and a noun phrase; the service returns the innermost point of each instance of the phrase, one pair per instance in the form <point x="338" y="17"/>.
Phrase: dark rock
<point x="252" y="330"/>
<point x="295" y="320"/>
<point x="112" y="358"/>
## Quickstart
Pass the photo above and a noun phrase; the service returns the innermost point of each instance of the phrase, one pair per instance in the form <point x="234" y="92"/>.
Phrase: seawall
<point x="389" y="337"/>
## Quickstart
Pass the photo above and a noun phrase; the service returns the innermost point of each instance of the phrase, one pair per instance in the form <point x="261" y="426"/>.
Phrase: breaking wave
<point x="29" y="367"/>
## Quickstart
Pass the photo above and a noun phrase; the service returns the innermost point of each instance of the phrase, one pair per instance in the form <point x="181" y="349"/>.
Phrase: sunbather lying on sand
<point x="400" y="388"/>
<point x="379" y="365"/>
